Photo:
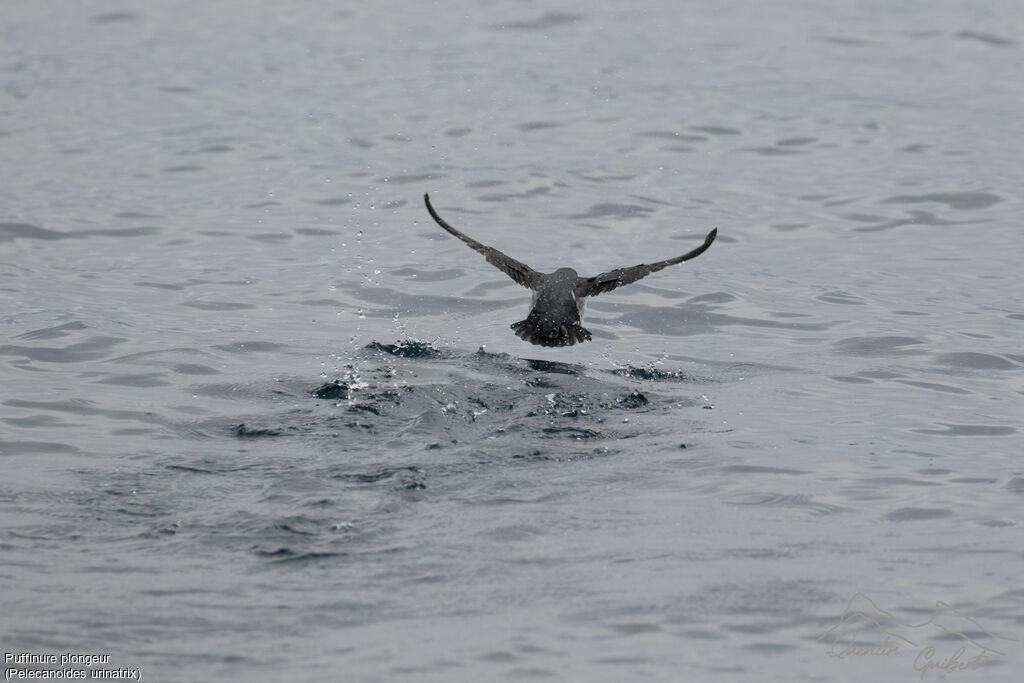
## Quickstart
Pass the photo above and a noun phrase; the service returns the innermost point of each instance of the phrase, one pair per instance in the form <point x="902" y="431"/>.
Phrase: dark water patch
<point x="878" y="346"/>
<point x="913" y="514"/>
<point x="250" y="347"/>
<point x="215" y="149"/>
<point x="499" y="657"/>
<point x="80" y="406"/>
<point x="245" y="432"/>
<point x="968" y="430"/>
<point x="847" y="41"/>
<point x="321" y="303"/>
<point x="862" y="217"/>
<point x="177" y="89"/>
<point x="545" y="21"/>
<point x="838" y="296"/>
<point x="393" y="302"/>
<point x="961" y="201"/>
<point x="879" y="374"/>
<point x="934" y="386"/>
<point x="686" y="319"/>
<point x="612" y="210"/>
<point x="294" y="527"/>
<point x="915" y="218"/>
<point x="795" y="142"/>
<point x="35" y="447"/>
<point x="651" y="200"/>
<point x="975" y="361"/>
<point x="193" y="369"/>
<point x="366" y="408"/>
<point x="13" y="231"/>
<point x="531" y="126"/>
<point x="761" y="649"/>
<point x="410" y="178"/>
<point x="458" y="132"/>
<point x="193" y="469"/>
<point x="767" y="150"/>
<point x="332" y="201"/>
<point x="559" y="453"/>
<point x="407" y="404"/>
<point x="55" y="332"/>
<point x="717" y="130"/>
<point x="851" y="379"/>
<point x="794" y="501"/>
<point x="597" y="177"/>
<point x="316" y="232"/>
<point x="217" y="305"/>
<point x="632" y="401"/>
<point x="1015" y="485"/>
<point x="996" y="523"/>
<point x="577" y="405"/>
<point x="659" y="375"/>
<point x="285" y="555"/>
<point x="114" y="17"/>
<point x="884" y="482"/>
<point x="91" y="349"/>
<point x="135" y="380"/>
<point x="137" y="215"/>
<point x="404" y="474"/>
<point x="712" y="298"/>
<point x="672" y="135"/>
<point x="184" y="168"/>
<point x="575" y="433"/>
<point x="760" y="469"/>
<point x="334" y="391"/>
<point x="986" y="38"/>
<point x="554" y="366"/>
<point x="270" y="237"/>
<point x="160" y="285"/>
<point x="428" y="275"/>
<point x="35" y="421"/>
<point x="135" y="431"/>
<point x="407" y="349"/>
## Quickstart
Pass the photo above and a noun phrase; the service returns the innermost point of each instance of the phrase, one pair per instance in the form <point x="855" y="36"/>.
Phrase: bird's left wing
<point x="606" y="282"/>
<point x="517" y="270"/>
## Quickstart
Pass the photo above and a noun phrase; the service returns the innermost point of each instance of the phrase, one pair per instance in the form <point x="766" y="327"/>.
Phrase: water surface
<point x="261" y="419"/>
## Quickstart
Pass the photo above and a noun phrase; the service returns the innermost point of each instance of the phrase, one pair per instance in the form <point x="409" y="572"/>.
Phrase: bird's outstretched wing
<point x="606" y="282"/>
<point x="518" y="271"/>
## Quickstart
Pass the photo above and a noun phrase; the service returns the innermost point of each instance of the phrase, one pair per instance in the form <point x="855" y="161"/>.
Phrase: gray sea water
<point x="261" y="419"/>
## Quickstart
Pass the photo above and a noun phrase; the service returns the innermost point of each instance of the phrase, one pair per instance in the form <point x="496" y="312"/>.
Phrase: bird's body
<point x="556" y="313"/>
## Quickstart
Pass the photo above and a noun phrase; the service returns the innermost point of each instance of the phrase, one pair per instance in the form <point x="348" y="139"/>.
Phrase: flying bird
<point x="558" y="297"/>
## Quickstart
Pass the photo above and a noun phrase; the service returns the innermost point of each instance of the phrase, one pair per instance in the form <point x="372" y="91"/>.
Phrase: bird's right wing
<point x="518" y="271"/>
<point x="606" y="282"/>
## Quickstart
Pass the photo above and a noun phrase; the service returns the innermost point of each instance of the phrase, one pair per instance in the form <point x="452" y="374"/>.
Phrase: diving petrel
<point x="558" y="297"/>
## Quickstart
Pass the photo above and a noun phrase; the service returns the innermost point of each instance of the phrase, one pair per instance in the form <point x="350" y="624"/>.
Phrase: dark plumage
<point x="557" y="309"/>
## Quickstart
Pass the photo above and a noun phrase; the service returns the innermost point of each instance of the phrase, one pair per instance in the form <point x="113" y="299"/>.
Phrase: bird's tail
<point x="540" y="330"/>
